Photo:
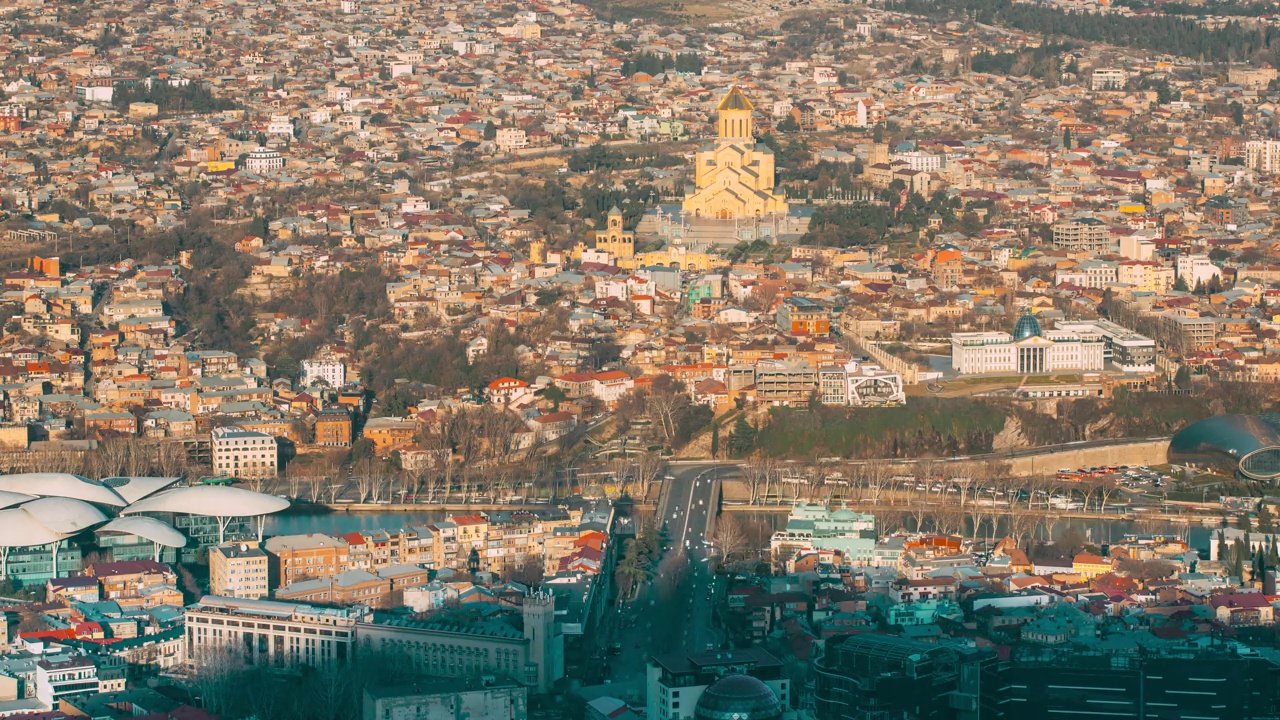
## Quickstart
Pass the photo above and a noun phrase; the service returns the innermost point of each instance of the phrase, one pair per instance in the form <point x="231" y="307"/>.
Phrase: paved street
<point x="666" y="615"/>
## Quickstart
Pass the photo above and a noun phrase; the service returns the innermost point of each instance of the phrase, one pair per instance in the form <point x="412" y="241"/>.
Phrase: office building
<point x="238" y="570"/>
<point x="270" y="634"/>
<point x="1028" y="351"/>
<point x="244" y="453"/>
<point x="59" y="678"/>
<point x="476" y="697"/>
<point x="871" y="676"/>
<point x="675" y="683"/>
<point x="533" y="655"/>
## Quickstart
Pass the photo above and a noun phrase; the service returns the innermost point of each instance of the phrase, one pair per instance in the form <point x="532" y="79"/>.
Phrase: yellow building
<point x="674" y="255"/>
<point x="613" y="240"/>
<point x="734" y="176"/>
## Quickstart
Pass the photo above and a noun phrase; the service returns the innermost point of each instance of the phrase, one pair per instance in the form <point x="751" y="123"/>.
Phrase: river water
<point x="337" y="523"/>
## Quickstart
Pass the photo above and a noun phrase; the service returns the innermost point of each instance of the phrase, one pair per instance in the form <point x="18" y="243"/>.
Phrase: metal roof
<point x="210" y="501"/>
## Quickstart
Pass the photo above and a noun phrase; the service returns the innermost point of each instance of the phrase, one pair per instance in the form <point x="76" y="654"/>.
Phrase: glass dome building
<point x="1027" y="326"/>
<point x="738" y="697"/>
<point x="1249" y="445"/>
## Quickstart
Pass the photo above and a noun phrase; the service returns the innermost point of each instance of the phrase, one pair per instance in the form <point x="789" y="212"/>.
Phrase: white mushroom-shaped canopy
<point x="63" y="485"/>
<point x="157" y="531"/>
<point x="133" y="489"/>
<point x="19" y="528"/>
<point x="210" y="501"/>
<point x="64" y="515"/>
<point x="9" y="499"/>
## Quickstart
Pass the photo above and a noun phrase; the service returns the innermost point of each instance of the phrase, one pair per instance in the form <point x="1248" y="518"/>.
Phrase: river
<point x="337" y="523"/>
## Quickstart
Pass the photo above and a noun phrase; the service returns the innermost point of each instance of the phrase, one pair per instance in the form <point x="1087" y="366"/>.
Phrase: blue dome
<point x="738" y="697"/>
<point x="1027" y="326"/>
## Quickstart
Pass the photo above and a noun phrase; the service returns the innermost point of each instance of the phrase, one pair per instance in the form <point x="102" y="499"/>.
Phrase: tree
<point x="1182" y="378"/>
<point x="1237" y="113"/>
<point x="1066" y="138"/>
<point x="715" y="440"/>
<point x="1243" y="522"/>
<point x="743" y="438"/>
<point x="729" y="537"/>
<point x="1181" y="285"/>
<point x="1266" y="523"/>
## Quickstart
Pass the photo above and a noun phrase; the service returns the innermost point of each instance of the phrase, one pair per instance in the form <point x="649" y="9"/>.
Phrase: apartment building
<point x="487" y="697"/>
<point x="304" y="557"/>
<point x="1084" y="234"/>
<point x="270" y="634"/>
<point x="244" y="453"/>
<point x="802" y="316"/>
<point x="238" y="570"/>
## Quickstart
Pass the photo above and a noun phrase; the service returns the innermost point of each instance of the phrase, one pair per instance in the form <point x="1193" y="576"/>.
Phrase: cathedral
<point x="734" y="175"/>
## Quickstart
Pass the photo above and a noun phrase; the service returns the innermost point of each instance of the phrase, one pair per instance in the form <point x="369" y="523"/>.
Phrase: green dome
<point x="1027" y="326"/>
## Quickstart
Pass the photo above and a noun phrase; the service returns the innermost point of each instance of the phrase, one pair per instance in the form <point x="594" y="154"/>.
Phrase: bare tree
<point x="729" y="536"/>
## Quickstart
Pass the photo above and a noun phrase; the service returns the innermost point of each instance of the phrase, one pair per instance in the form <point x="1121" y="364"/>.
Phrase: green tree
<point x="1182" y="378"/>
<point x="1243" y="522"/>
<point x="743" y="438"/>
<point x="1266" y="523"/>
<point x="715" y="440"/>
<point x="1180" y="285"/>
<point x="1237" y="113"/>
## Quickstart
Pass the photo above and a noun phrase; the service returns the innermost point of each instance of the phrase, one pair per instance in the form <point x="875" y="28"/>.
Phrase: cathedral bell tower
<point x="734" y="116"/>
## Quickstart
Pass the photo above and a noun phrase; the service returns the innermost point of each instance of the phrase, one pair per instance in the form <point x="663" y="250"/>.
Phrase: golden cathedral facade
<point x="734" y="176"/>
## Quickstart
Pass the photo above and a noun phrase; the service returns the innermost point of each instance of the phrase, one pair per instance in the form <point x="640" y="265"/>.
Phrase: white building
<point x="675" y="681"/>
<point x="262" y="160"/>
<point x="244" y="453"/>
<point x="859" y="384"/>
<point x="1196" y="269"/>
<point x="1028" y="351"/>
<point x="1262" y="155"/>
<point x="333" y="373"/>
<point x="270" y="634"/>
<point x="56" y="679"/>
<point x="280" y="125"/>
<point x="1089" y="274"/>
<point x="1109" y="79"/>
<point x="1129" y="351"/>
<point x="920" y="161"/>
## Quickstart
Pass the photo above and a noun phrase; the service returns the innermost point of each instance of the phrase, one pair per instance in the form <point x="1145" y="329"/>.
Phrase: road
<point x="672" y="611"/>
